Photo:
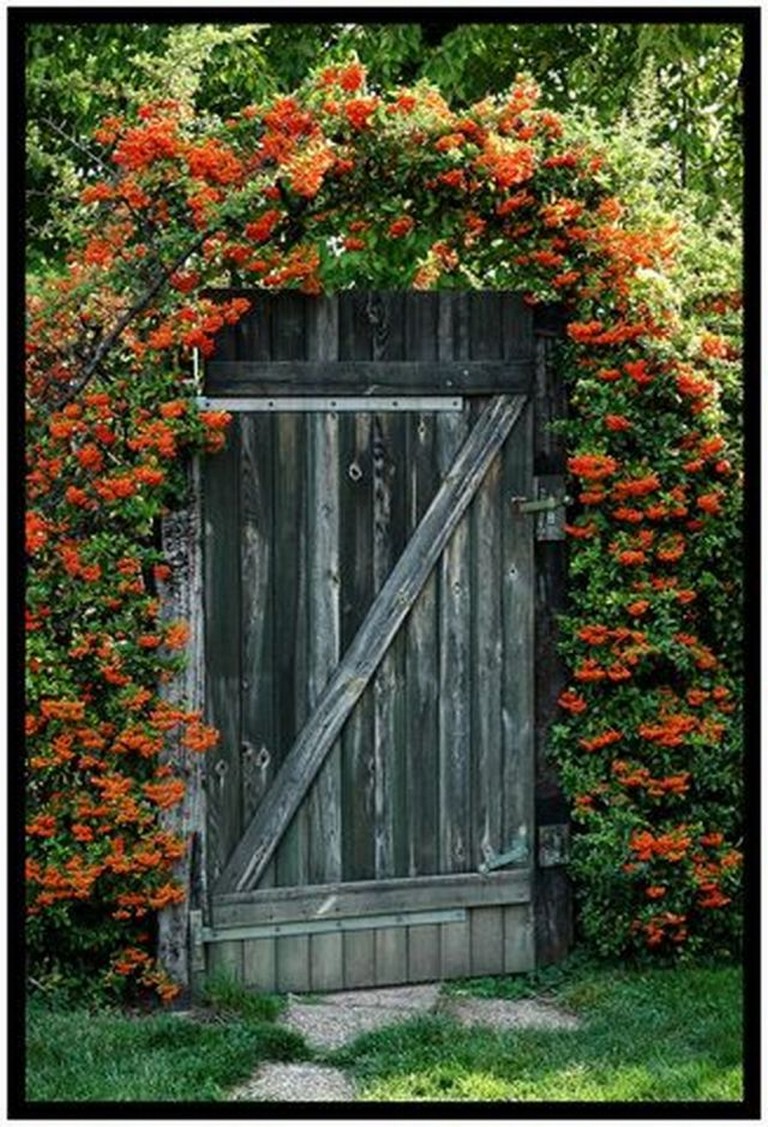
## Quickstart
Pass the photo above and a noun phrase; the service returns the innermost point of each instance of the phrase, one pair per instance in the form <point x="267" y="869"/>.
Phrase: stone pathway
<point x="290" y="1082"/>
<point x="334" y="1020"/>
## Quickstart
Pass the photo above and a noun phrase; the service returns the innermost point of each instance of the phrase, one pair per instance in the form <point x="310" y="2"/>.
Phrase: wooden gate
<point x="369" y="657"/>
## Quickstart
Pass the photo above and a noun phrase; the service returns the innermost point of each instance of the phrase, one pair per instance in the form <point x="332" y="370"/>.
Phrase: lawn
<point x="81" y="1055"/>
<point x="660" y="1035"/>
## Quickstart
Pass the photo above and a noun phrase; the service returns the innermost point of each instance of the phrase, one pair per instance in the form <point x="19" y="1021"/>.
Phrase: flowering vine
<point x="331" y="187"/>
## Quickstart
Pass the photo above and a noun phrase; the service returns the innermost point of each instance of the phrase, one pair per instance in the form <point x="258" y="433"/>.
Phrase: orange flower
<point x="584" y="331"/>
<point x="605" y="739"/>
<point x="62" y="709"/>
<point x="617" y="423"/>
<point x="594" y="635"/>
<point x="710" y="503"/>
<point x="358" y="112"/>
<point x="177" y="636"/>
<point x="165" y="794"/>
<point x="398" y="228"/>
<point x="592" y="467"/>
<point x="581" y="531"/>
<point x="589" y="670"/>
<point x="631" y="516"/>
<point x="631" y="557"/>
<point x="635" y="487"/>
<point x="572" y="702"/>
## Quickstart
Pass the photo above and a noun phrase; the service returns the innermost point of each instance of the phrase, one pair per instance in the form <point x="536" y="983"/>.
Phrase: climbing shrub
<point x="331" y="187"/>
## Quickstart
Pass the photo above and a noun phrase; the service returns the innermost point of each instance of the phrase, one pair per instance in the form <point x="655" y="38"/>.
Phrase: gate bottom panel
<point x="470" y="943"/>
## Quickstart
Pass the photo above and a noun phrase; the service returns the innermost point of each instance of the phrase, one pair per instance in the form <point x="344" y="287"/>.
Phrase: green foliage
<point x="693" y="66"/>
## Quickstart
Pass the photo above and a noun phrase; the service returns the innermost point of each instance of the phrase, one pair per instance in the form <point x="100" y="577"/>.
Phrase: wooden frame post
<point x="181" y="598"/>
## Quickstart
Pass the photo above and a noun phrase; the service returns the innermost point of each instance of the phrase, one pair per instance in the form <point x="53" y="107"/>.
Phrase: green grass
<point x="646" y="1036"/>
<point x="78" y="1055"/>
<point x="661" y="1035"/>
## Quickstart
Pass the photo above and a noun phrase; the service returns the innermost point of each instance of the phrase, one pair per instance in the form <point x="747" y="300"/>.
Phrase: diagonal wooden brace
<point x="386" y="615"/>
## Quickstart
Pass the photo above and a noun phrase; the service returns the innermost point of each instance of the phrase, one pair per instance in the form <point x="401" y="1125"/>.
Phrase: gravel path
<point x="336" y="1019"/>
<point x="293" y="1082"/>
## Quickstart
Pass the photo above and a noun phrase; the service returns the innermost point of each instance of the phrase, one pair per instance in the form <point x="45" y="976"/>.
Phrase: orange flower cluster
<point x="667" y="925"/>
<point x="593" y="467"/>
<point x="604" y="739"/>
<point x="672" y="846"/>
<point x="641" y="778"/>
<point x="671" y="731"/>
<point x="572" y="702"/>
<point x="507" y="165"/>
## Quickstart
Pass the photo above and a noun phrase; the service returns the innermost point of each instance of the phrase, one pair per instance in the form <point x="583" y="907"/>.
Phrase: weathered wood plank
<point x="225" y="960"/>
<point x="486" y="666"/>
<point x="386" y="314"/>
<point x="421" y="681"/>
<point x="223" y="652"/>
<point x="290" y="625"/>
<point x="519" y="952"/>
<point x="359" y="898"/>
<point x="291" y="964"/>
<point x="518" y="672"/>
<point x="181" y="599"/>
<point x="424" y="953"/>
<point x="454" y="719"/>
<point x="356" y="573"/>
<point x="355" y="327"/>
<point x="516" y="327"/>
<point x="323" y="636"/>
<point x="429" y="335"/>
<point x="368" y="377"/>
<point x="359" y="958"/>
<point x="288" y="328"/>
<point x="455" y="960"/>
<point x="322" y="330"/>
<point x="289" y="343"/>
<point x="389" y="749"/>
<point x="391" y="955"/>
<point x="257" y="725"/>
<point x="486" y="927"/>
<point x="363" y="656"/>
<point x="259" y="964"/>
<point x="324" y="804"/>
<point x="326" y="962"/>
<point x="485" y="325"/>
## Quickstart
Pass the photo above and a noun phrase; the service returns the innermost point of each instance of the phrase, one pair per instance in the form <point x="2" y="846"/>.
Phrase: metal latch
<point x="543" y="505"/>
<point x="517" y="854"/>
<point x="548" y="504"/>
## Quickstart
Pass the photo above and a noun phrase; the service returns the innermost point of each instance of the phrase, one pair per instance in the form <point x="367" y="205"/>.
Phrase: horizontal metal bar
<point x="279" y="403"/>
<point x="319" y="927"/>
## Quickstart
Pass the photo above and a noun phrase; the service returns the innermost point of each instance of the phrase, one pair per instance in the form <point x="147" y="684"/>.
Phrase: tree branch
<point x="114" y="334"/>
